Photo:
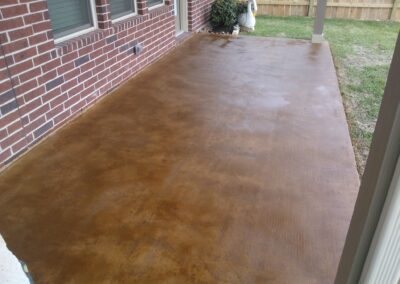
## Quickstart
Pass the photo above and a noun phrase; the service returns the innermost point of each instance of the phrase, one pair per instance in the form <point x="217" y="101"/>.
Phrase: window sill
<point x="78" y="41"/>
<point x="74" y="35"/>
<point x="129" y="22"/>
<point x="156" y="6"/>
<point x="135" y="20"/>
<point x="122" y="18"/>
<point x="159" y="9"/>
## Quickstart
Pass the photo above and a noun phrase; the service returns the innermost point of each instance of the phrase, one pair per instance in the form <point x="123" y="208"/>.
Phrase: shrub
<point x="241" y="7"/>
<point x="223" y="13"/>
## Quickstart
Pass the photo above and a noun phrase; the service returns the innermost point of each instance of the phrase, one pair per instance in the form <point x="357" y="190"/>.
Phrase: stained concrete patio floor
<point x="228" y="161"/>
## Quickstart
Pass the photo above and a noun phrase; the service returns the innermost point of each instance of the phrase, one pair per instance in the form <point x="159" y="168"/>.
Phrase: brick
<point x="3" y="38"/>
<point x="101" y="2"/>
<point x="46" y="15"/>
<point x="71" y="101"/>
<point x="23" y="55"/>
<point x="26" y="87"/>
<point x="21" y="67"/>
<point x="54" y="83"/>
<point x="87" y="66"/>
<point x="42" y="26"/>
<point x="75" y="90"/>
<point x="12" y="105"/>
<point x="4" y="156"/>
<point x="31" y="126"/>
<point x="87" y="91"/>
<point x="62" y="116"/>
<point x="33" y="94"/>
<point x="111" y="39"/>
<point x="33" y="18"/>
<point x="41" y="59"/>
<point x="8" y="2"/>
<point x="14" y="11"/>
<point x="17" y="125"/>
<point x="68" y="57"/>
<point x="19" y="145"/>
<point x="98" y="45"/>
<point x="65" y="68"/>
<point x="81" y="60"/>
<point x="51" y="65"/>
<point x="54" y="111"/>
<point x="45" y="46"/>
<point x="9" y="118"/>
<point x="101" y="59"/>
<point x="104" y="25"/>
<point x="38" y="112"/>
<point x="33" y="73"/>
<point x="38" y="6"/>
<point x="78" y="107"/>
<point x="85" y="50"/>
<point x="72" y="74"/>
<point x="51" y="95"/>
<point x="37" y="38"/>
<point x="20" y="33"/>
<point x="85" y="76"/>
<point x="90" y="82"/>
<point x="68" y="85"/>
<point x="28" y="107"/>
<point x="3" y="134"/>
<point x="43" y="129"/>
<point x="3" y="74"/>
<point x="124" y="47"/>
<point x="5" y="86"/>
<point x="5" y="97"/>
<point x="15" y="45"/>
<point x="101" y="9"/>
<point x="47" y="77"/>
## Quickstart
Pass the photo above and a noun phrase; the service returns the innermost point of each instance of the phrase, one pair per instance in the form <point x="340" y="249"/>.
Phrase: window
<point x="70" y="17"/>
<point x="153" y="3"/>
<point x="120" y="8"/>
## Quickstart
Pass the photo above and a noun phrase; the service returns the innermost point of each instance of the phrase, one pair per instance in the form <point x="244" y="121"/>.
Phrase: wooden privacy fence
<point x="347" y="9"/>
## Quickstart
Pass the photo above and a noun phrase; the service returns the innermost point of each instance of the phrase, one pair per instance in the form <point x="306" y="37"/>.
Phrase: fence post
<point x="310" y="7"/>
<point x="394" y="8"/>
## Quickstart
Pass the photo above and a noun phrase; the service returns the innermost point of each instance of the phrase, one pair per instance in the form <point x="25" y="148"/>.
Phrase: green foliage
<point x="223" y="13"/>
<point x="241" y="7"/>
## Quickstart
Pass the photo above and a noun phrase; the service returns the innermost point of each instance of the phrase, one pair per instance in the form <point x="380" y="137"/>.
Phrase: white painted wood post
<point x="318" y="34"/>
<point x="383" y="261"/>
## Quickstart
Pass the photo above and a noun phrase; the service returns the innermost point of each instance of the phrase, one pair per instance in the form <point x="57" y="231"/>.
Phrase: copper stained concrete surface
<point x="228" y="161"/>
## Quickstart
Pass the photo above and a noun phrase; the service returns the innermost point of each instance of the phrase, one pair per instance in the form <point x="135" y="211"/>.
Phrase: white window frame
<point x="84" y="31"/>
<point x="157" y="6"/>
<point x="127" y="16"/>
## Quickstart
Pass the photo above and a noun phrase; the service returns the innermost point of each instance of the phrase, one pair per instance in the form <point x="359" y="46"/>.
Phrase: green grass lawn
<point x="362" y="51"/>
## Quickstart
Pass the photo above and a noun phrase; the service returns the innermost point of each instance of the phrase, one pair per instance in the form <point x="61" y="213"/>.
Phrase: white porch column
<point x="318" y="33"/>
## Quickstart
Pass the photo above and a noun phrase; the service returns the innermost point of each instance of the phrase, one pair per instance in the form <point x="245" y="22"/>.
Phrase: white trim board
<point x="383" y="261"/>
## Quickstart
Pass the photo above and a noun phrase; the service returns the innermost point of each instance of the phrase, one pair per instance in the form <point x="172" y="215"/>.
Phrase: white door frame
<point x="383" y="261"/>
<point x="183" y="15"/>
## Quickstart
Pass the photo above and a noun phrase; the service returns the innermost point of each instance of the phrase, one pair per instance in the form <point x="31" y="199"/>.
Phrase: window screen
<point x="69" y="16"/>
<point x="121" y="7"/>
<point x="151" y="3"/>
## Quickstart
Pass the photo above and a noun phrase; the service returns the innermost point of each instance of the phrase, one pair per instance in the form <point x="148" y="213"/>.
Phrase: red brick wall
<point x="198" y="13"/>
<point x="43" y="84"/>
